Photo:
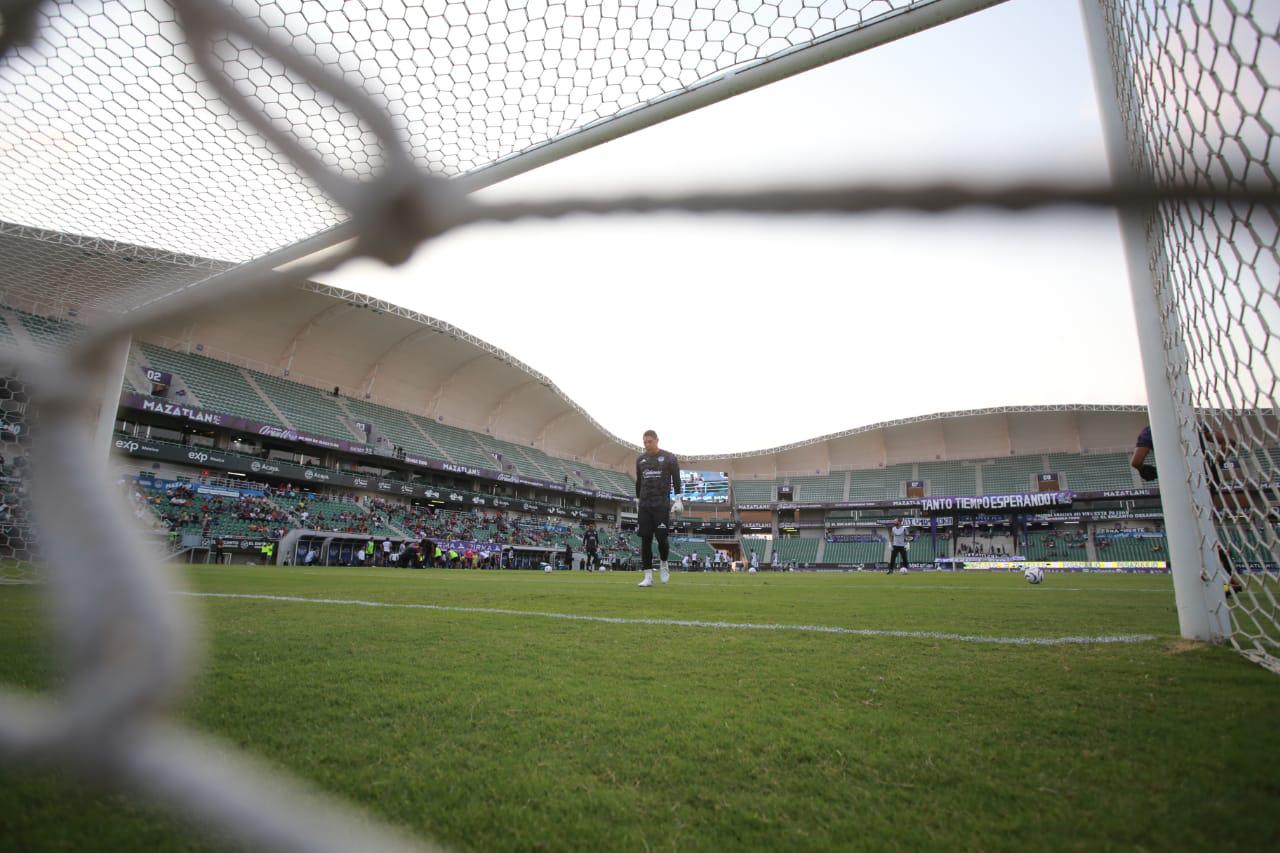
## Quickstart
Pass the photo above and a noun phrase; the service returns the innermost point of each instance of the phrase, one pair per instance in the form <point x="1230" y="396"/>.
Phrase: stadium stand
<point x="752" y="491"/>
<point x="796" y="550"/>
<point x="948" y="478"/>
<point x="759" y="544"/>
<point x="1114" y="548"/>
<point x="878" y="483"/>
<point x="1092" y="472"/>
<point x="460" y="444"/>
<point x="1054" y="545"/>
<point x="47" y="332"/>
<point x="308" y="409"/>
<point x="1009" y="474"/>
<point x="183" y="510"/>
<point x="396" y="425"/>
<point x="6" y="334"/>
<point x="700" y="549"/>
<point x="217" y="385"/>
<point x="922" y="549"/>
<point x="505" y="453"/>
<point x="820" y="489"/>
<point x="1246" y="545"/>
<point x="854" y="552"/>
<point x="225" y="387"/>
<point x="338" y="516"/>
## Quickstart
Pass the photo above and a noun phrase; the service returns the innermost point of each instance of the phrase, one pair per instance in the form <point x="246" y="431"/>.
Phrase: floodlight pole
<point x="1184" y="494"/>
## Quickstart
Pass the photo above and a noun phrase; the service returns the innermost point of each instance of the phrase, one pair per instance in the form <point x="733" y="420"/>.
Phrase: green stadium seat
<point x="878" y="484"/>
<point x="948" y="478"/>
<point x="1011" y="474"/>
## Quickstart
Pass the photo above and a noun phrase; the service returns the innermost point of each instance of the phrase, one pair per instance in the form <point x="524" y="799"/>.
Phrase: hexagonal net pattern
<point x="1199" y="85"/>
<point x="111" y="131"/>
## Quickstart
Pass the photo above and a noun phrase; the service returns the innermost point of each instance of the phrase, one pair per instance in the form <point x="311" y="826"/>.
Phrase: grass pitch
<point x="496" y="723"/>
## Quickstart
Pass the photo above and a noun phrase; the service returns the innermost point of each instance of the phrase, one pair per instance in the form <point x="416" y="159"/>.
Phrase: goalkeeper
<point x="657" y="478"/>
<point x="1213" y="472"/>
<point x="1141" y="453"/>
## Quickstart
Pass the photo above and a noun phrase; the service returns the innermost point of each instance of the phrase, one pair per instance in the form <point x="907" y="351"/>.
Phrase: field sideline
<point x="502" y="710"/>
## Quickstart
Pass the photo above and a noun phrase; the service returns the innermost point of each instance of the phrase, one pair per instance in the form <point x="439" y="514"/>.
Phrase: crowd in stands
<point x="181" y="509"/>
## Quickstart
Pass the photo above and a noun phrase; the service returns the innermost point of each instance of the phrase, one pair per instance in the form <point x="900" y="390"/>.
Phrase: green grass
<point x="488" y="731"/>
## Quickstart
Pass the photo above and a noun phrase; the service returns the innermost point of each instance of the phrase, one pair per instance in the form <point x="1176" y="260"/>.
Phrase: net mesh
<point x="125" y="171"/>
<point x="111" y="130"/>
<point x="1199" y="86"/>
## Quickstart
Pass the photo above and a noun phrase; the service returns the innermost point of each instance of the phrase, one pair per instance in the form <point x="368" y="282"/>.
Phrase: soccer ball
<point x="751" y="570"/>
<point x="1033" y="575"/>
<point x="902" y="571"/>
<point x="546" y="568"/>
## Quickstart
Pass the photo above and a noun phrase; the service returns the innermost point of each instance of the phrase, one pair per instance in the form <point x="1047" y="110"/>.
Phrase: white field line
<point x="697" y="623"/>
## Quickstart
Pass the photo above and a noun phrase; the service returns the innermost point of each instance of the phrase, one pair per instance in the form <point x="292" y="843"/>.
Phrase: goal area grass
<point x="524" y="710"/>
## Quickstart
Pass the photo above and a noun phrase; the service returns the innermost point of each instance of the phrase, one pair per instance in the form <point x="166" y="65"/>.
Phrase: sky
<point x="738" y="333"/>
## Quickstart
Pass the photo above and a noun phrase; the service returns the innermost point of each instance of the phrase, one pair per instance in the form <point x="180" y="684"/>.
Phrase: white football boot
<point x="648" y="578"/>
<point x="666" y="575"/>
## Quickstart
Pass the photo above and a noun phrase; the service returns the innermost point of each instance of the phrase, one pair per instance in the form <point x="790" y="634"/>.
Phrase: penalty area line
<point x="1105" y="639"/>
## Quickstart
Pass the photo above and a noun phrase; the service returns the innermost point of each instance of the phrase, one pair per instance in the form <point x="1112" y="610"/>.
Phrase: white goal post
<point x="1189" y="92"/>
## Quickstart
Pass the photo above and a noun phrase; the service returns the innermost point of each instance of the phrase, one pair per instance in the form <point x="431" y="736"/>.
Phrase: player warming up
<point x="657" y="478"/>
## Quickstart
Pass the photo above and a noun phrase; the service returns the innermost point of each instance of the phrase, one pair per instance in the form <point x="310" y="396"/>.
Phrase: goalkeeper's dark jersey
<point x="657" y="476"/>
<point x="591" y="540"/>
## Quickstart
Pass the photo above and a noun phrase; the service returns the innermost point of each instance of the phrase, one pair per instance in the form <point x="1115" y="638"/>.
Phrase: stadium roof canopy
<point x="325" y="337"/>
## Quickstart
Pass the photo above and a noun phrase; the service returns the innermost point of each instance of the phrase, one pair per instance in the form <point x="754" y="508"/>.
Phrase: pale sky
<point x="739" y="333"/>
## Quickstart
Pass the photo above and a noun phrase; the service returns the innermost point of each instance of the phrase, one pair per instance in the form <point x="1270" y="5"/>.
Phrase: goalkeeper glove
<point x="678" y="506"/>
<point x="1147" y="472"/>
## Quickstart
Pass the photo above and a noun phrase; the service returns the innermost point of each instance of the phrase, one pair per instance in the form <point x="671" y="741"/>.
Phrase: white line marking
<point x="696" y="623"/>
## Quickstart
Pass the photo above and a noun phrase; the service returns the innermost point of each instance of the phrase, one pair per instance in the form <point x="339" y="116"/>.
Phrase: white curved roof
<point x="325" y="337"/>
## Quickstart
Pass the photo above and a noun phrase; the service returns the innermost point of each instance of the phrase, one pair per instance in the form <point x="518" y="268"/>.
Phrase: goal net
<point x="158" y="156"/>
<point x="1197" y="97"/>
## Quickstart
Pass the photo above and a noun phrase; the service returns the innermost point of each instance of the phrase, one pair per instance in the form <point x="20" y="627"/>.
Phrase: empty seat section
<point x="459" y="444"/>
<point x="854" y="552"/>
<point x="878" y="484"/>
<point x="949" y="478"/>
<point x="1011" y="474"/>
<point x="1092" y="473"/>
<point x="1054" y="545"/>
<point x="220" y="386"/>
<point x="826" y="489"/>
<point x="752" y="491"/>
<point x="47" y="332"/>
<point x="924" y="549"/>
<point x="1124" y="548"/>
<point x="308" y="409"/>
<point x="615" y="481"/>
<point x="516" y="455"/>
<point x="796" y="550"/>
<point x="395" y="425"/>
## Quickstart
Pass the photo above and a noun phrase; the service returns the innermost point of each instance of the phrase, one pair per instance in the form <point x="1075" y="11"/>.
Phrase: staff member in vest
<point x="899" y="535"/>
<point x="657" y="478"/>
